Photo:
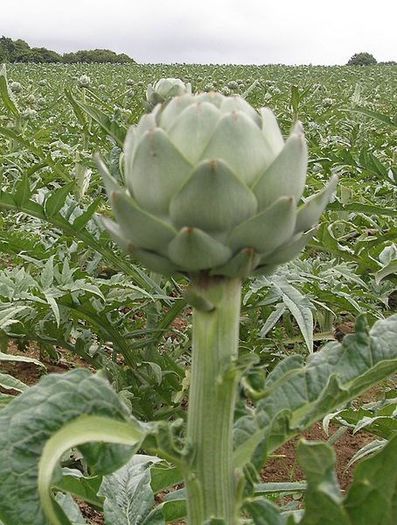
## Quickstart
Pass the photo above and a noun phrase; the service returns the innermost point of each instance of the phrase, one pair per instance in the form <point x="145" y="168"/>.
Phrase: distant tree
<point x="20" y="51"/>
<point x="41" y="54"/>
<point x="388" y="63"/>
<point x="362" y="59"/>
<point x="96" y="56"/>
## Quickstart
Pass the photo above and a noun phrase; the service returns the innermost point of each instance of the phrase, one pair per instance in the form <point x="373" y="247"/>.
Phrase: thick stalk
<point x="210" y="483"/>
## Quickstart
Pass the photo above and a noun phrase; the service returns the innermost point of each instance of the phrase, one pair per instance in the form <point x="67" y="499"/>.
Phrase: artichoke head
<point x="211" y="186"/>
<point x="163" y="90"/>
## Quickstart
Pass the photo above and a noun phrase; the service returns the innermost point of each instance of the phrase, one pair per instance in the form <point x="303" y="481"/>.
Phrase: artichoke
<point x="164" y="89"/>
<point x="212" y="187"/>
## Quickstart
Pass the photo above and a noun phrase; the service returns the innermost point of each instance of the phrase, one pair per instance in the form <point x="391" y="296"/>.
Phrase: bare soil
<point x="284" y="467"/>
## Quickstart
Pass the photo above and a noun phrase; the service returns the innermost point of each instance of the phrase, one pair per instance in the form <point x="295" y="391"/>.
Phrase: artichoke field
<point x="211" y="186"/>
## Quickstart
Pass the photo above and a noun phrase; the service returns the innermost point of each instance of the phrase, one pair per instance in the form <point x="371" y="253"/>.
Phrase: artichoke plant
<point x="212" y="191"/>
<point x="164" y="90"/>
<point x="213" y="187"/>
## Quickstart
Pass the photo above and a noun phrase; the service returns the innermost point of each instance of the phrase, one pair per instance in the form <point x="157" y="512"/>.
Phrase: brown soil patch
<point x="284" y="467"/>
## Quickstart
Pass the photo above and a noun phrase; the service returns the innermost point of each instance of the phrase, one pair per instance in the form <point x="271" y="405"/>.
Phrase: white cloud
<point x="228" y="31"/>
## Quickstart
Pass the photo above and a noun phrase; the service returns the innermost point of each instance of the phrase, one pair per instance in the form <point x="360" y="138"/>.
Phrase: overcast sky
<point x="209" y="31"/>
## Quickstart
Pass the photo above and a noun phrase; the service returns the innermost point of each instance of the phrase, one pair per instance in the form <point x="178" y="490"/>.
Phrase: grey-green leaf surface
<point x="8" y="382"/>
<point x="28" y="423"/>
<point x="128" y="495"/>
<point x="298" y="393"/>
<point x="70" y="508"/>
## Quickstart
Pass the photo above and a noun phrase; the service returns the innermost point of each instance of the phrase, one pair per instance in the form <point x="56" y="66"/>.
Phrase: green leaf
<point x="5" y="399"/>
<point x="81" y="221"/>
<point x="263" y="512"/>
<point x="111" y="127"/>
<point x="300" y="307"/>
<point x="298" y="394"/>
<point x="389" y="269"/>
<point x="86" y="488"/>
<point x="373" y="495"/>
<point x="81" y="431"/>
<point x="6" y="95"/>
<point x="163" y="476"/>
<point x="9" y="382"/>
<point x="22" y="191"/>
<point x="128" y="495"/>
<point x="323" y="499"/>
<point x="71" y="509"/>
<point x="60" y="412"/>
<point x="367" y="209"/>
<point x="295" y="99"/>
<point x="80" y="115"/>
<point x="56" y="200"/>
<point x="8" y="317"/>
<point x="47" y="273"/>
<point x="385" y="119"/>
<point x="21" y="359"/>
<point x="280" y="487"/>
<point x="272" y="319"/>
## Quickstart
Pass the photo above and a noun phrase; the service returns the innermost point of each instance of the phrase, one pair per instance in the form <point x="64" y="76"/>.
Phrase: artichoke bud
<point x="163" y="91"/>
<point x="212" y="188"/>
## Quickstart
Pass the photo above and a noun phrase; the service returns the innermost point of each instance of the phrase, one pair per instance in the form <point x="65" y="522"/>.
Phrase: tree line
<point x="20" y="51"/>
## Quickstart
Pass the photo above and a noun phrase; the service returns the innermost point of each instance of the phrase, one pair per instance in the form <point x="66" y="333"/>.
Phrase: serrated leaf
<point x="47" y="273"/>
<point x="8" y="316"/>
<point x="298" y="396"/>
<point x="300" y="307"/>
<point x="56" y="200"/>
<point x="54" y="307"/>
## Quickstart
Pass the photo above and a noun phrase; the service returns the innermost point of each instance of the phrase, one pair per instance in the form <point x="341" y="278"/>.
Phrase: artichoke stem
<point x="210" y="481"/>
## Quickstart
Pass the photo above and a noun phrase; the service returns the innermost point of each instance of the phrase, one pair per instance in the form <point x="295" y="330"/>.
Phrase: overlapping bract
<point x="212" y="187"/>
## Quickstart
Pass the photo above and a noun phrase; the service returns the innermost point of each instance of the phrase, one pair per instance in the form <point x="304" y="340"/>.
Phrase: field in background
<point x="69" y="297"/>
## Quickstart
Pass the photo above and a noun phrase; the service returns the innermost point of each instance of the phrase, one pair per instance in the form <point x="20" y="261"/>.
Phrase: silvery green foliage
<point x="212" y="186"/>
<point x="32" y="418"/>
<point x="164" y="89"/>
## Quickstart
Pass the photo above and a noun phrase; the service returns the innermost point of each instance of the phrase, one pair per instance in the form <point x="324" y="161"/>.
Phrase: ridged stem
<point x="210" y="483"/>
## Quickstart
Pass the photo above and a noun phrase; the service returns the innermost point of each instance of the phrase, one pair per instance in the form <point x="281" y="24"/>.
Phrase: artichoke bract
<point x="212" y="187"/>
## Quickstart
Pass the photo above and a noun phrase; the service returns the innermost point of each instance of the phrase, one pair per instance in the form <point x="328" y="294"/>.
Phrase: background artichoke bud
<point x="163" y="91"/>
<point x="213" y="187"/>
